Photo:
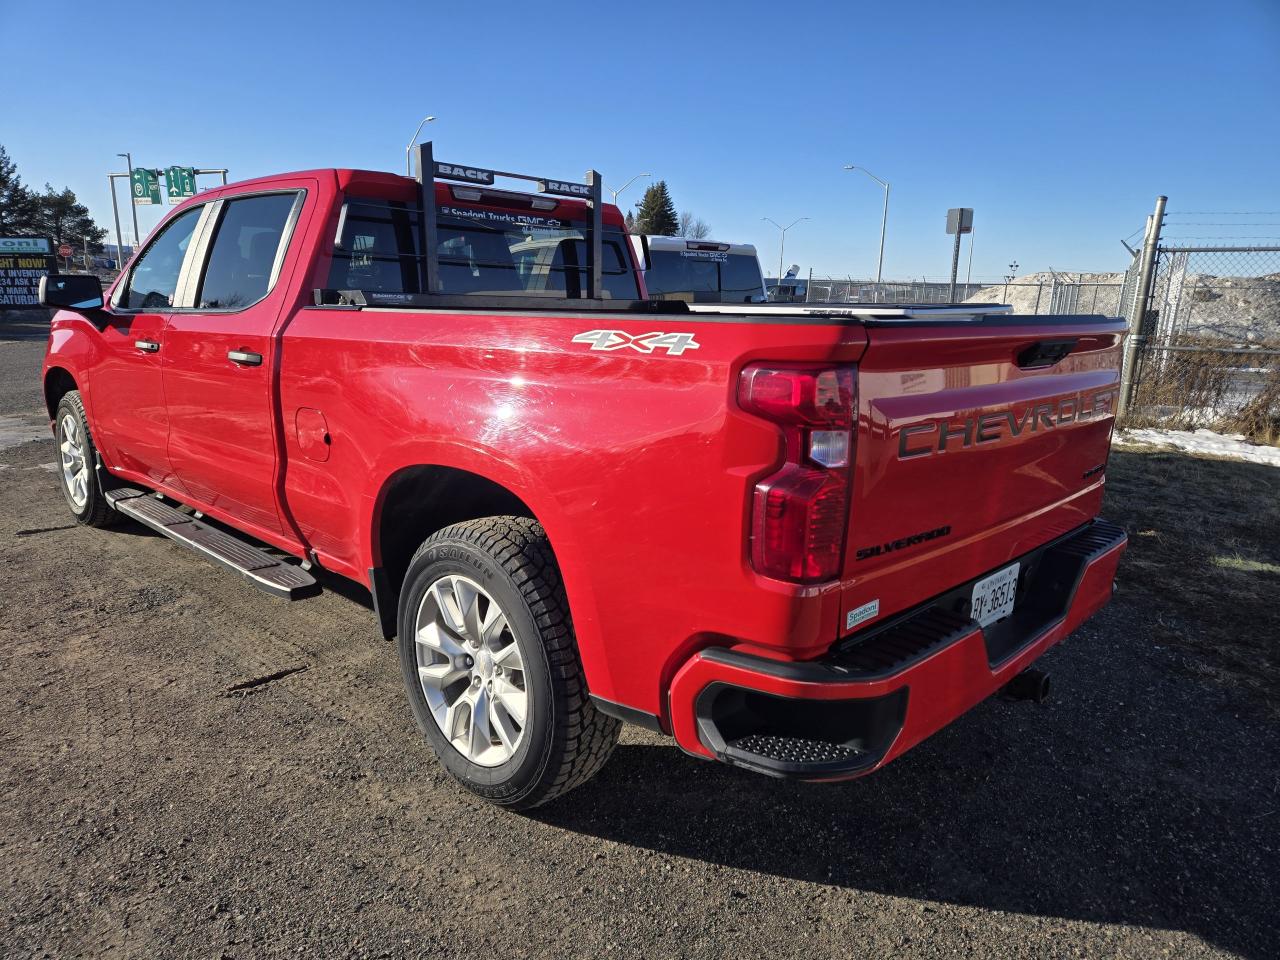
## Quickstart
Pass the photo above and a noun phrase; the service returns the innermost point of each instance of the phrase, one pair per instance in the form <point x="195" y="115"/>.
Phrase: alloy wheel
<point x="470" y="670"/>
<point x="75" y="464"/>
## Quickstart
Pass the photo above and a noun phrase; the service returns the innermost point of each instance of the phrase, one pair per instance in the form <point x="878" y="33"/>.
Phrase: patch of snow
<point x="1231" y="445"/>
<point x="1032" y="292"/>
<point x="19" y="430"/>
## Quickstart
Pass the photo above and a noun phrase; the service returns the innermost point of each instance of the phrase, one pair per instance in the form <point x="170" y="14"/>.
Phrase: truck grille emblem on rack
<point x="674" y="343"/>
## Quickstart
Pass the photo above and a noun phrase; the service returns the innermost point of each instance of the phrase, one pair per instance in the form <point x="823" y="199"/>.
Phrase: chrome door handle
<point x="245" y="358"/>
<point x="147" y="346"/>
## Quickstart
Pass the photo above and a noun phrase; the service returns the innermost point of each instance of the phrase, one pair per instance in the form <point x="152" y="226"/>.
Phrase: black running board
<point x="264" y="571"/>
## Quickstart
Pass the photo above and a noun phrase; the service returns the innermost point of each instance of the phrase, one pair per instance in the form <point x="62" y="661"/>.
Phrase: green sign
<point x="146" y="186"/>
<point x="181" y="182"/>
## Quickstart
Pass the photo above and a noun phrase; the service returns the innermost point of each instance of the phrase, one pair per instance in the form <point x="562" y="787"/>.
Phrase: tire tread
<point x="584" y="740"/>
<point x="98" y="513"/>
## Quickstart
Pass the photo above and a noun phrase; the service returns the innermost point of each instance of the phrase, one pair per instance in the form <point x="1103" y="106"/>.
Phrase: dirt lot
<point x="150" y="809"/>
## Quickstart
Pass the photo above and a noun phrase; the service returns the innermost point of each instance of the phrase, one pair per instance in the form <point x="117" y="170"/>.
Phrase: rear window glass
<point x="480" y="252"/>
<point x="704" y="276"/>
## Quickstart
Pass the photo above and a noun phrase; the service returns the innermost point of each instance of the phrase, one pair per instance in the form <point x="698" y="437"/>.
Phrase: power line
<point x="1228" y="213"/>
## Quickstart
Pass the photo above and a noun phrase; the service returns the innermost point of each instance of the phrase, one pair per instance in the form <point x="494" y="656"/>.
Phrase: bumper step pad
<point x="264" y="571"/>
<point x="793" y="750"/>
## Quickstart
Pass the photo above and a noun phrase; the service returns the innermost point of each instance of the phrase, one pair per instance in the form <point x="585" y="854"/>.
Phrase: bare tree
<point x="691" y="228"/>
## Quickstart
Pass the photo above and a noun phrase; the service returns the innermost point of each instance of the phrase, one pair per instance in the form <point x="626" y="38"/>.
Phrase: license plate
<point x="993" y="596"/>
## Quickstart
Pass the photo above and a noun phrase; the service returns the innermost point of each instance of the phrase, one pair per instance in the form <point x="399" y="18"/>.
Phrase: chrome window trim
<point x="186" y="293"/>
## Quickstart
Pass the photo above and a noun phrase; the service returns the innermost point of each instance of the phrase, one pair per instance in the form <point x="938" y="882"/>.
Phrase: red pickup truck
<point x="798" y="539"/>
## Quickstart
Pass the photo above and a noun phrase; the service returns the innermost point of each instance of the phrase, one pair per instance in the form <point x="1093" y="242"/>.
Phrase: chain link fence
<point x="1047" y="293"/>
<point x="831" y="290"/>
<point x="1195" y="384"/>
<point x="1207" y="347"/>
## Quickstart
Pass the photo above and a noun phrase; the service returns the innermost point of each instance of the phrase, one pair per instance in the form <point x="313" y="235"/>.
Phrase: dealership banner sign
<point x="23" y="261"/>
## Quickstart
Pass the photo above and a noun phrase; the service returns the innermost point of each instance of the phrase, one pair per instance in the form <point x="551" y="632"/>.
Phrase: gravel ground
<point x="151" y="810"/>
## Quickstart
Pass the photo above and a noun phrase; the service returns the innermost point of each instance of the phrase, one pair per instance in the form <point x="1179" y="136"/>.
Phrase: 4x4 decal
<point x="674" y="343"/>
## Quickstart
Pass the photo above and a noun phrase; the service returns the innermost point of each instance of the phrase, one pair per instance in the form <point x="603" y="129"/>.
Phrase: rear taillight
<point x="800" y="513"/>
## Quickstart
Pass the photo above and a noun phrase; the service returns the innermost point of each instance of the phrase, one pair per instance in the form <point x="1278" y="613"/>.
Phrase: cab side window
<point x="155" y="276"/>
<point x="243" y="253"/>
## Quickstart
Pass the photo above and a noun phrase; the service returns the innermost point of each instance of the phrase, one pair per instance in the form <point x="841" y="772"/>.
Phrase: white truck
<point x="700" y="271"/>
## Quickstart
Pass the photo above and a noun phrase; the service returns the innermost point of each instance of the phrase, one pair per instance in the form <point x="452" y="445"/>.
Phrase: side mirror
<point x="72" y="291"/>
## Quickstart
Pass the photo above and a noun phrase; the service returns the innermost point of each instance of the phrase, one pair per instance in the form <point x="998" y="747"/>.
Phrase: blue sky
<point x="1058" y="123"/>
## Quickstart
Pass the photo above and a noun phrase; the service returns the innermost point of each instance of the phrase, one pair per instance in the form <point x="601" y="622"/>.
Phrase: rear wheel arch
<point x="418" y="501"/>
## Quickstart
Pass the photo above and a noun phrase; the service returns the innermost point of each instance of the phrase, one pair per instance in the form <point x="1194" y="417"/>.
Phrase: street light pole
<point x="618" y="192"/>
<point x="115" y="209"/>
<point x="408" y="170"/>
<point x="782" y="246"/>
<point x="884" y="217"/>
<point x="128" y="158"/>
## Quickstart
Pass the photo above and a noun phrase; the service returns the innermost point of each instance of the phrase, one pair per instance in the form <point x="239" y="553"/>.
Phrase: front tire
<point x="491" y="666"/>
<point x="77" y="463"/>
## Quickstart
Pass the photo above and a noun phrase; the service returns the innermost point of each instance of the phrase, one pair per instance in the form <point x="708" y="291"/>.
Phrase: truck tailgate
<point x="977" y="441"/>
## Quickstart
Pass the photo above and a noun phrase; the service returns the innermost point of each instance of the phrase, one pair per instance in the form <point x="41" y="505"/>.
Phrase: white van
<point x="700" y="271"/>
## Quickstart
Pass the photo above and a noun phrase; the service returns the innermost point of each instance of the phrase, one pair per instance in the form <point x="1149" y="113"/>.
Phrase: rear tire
<point x="491" y="665"/>
<point x="77" y="464"/>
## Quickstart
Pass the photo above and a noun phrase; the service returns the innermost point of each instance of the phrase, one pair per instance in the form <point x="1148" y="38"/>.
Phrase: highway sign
<point x="145" y="186"/>
<point x="181" y="183"/>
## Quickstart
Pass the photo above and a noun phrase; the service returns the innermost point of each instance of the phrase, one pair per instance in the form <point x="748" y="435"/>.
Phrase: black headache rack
<point x="588" y="191"/>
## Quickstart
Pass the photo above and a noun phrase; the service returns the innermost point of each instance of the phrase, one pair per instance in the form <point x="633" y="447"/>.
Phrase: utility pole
<point x="1138" y="315"/>
<point x="128" y="158"/>
<point x="115" y="210"/>
<point x="968" y="274"/>
<point x="959" y="222"/>
<point x="955" y="269"/>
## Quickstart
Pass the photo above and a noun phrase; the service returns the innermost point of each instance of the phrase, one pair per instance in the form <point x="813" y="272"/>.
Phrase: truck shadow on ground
<point x="1008" y="810"/>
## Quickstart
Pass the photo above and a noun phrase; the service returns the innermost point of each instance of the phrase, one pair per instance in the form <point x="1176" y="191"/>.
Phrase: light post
<point x="884" y="217"/>
<point x="115" y="210"/>
<point x="782" y="246"/>
<point x="128" y="158"/>
<point x="618" y="192"/>
<point x="408" y="169"/>
<point x="1009" y="278"/>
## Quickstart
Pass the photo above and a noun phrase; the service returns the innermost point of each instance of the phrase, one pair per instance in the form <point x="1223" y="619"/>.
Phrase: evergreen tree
<point x="657" y="216"/>
<point x="64" y="219"/>
<point x="630" y="219"/>
<point x="17" y="205"/>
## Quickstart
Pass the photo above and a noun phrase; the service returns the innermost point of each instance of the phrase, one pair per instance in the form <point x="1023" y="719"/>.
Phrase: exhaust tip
<point x="1030" y="685"/>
